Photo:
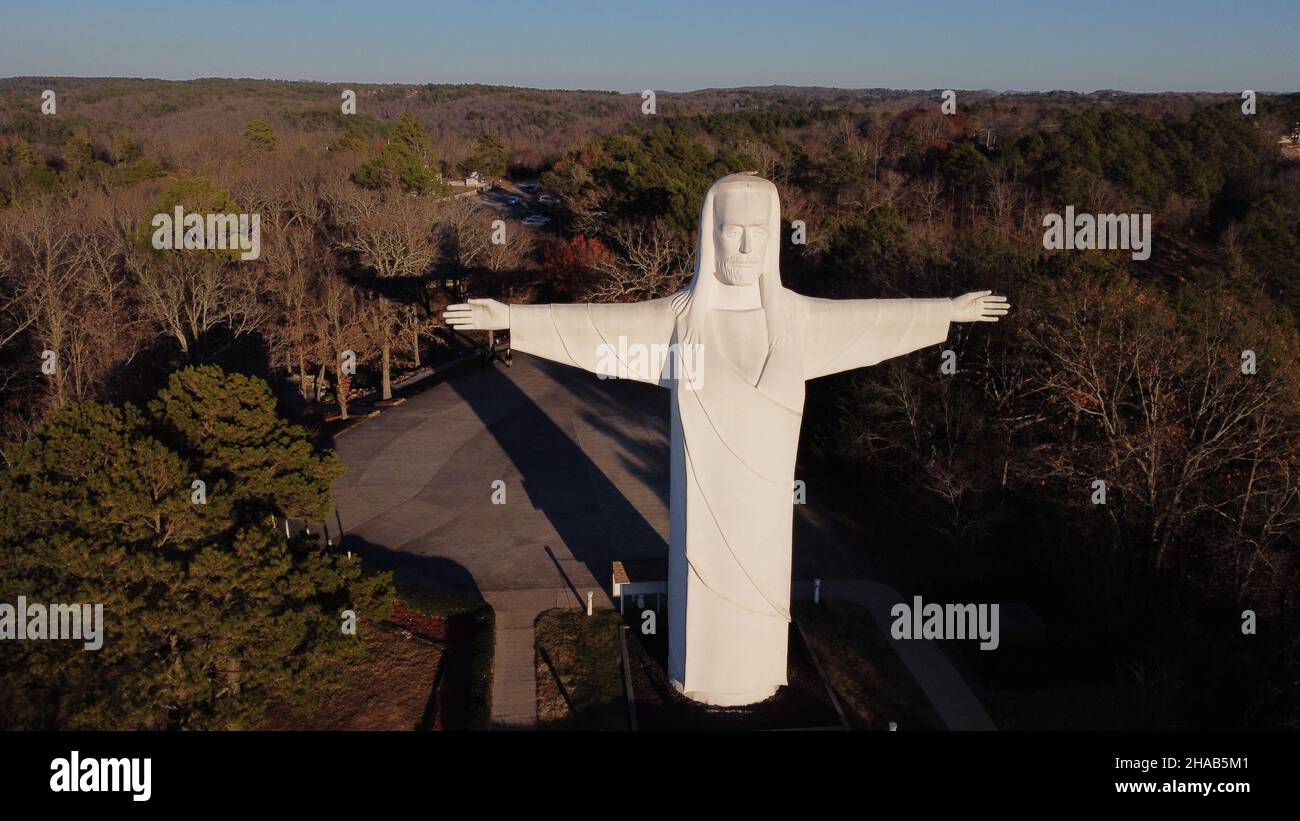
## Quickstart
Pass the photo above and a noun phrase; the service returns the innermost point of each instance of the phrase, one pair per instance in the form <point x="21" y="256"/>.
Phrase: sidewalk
<point x="943" y="685"/>
<point x="514" y="671"/>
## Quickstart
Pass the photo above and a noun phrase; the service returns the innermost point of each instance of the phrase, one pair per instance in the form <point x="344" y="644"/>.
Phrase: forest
<point x="1173" y="380"/>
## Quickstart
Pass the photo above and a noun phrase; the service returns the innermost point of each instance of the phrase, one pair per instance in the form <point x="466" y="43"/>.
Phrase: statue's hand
<point x="478" y="315"/>
<point x="979" y="306"/>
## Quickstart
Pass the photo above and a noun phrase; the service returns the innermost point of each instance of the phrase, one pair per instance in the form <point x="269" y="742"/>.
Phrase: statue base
<point x="726" y="699"/>
<point x="660" y="704"/>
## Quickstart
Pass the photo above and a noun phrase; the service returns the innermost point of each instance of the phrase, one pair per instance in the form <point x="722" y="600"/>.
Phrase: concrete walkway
<point x="584" y="466"/>
<point x="514" y="678"/>
<point x="585" y="475"/>
<point x="942" y="684"/>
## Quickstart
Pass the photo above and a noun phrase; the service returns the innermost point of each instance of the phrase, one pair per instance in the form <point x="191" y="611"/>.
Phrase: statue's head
<point x="739" y="244"/>
<point x="742" y="212"/>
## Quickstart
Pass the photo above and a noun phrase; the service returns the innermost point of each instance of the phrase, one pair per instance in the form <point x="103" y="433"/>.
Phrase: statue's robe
<point x="735" y="433"/>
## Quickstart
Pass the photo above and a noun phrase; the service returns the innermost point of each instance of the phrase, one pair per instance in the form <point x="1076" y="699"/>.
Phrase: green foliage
<point x="1140" y="153"/>
<point x="79" y="154"/>
<point x="656" y="173"/>
<point x="197" y="194"/>
<point x="866" y="254"/>
<point x="1224" y="143"/>
<point x="409" y="132"/>
<point x="992" y="260"/>
<point x="1272" y="245"/>
<point x="733" y="127"/>
<point x="404" y="162"/>
<point x="209" y="610"/>
<point x="374" y="173"/>
<point x="964" y="166"/>
<point x="568" y="179"/>
<point x="126" y="149"/>
<point x="398" y="166"/>
<point x="325" y="119"/>
<point x="260" y="138"/>
<point x="237" y="435"/>
<point x="843" y="169"/>
<point x="483" y="654"/>
<point x="134" y="171"/>
<point x="25" y="156"/>
<point x="26" y="121"/>
<point x="353" y="139"/>
<point x="490" y="156"/>
<point x="36" y="180"/>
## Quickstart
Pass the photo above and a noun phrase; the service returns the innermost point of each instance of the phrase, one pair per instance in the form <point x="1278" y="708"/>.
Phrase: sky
<point x="671" y="45"/>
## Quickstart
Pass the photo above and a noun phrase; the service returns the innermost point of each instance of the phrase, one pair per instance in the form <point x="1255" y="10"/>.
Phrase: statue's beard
<point x="739" y="270"/>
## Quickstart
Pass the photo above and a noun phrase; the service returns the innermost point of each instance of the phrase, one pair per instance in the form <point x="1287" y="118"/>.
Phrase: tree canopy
<point x="209" y="610"/>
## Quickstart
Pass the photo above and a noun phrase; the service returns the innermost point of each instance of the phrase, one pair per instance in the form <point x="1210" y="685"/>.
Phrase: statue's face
<point x="740" y="219"/>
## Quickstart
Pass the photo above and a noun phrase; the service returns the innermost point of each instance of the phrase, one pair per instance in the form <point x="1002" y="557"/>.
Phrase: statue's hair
<point x="692" y="303"/>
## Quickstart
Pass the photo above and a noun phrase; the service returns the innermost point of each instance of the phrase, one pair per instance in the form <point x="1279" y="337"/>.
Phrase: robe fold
<point x="733" y="448"/>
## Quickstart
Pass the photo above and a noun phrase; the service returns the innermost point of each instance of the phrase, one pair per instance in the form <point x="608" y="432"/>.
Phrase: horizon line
<point x="578" y="90"/>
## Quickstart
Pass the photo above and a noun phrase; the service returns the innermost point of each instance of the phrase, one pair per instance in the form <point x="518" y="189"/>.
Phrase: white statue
<point x="735" y="347"/>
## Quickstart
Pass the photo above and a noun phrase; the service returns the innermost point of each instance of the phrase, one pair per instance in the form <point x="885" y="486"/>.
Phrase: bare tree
<point x="294" y="257"/>
<point x="193" y="295"/>
<point x="467" y="231"/>
<point x="1003" y="189"/>
<point x="1163" y="413"/>
<point x="653" y="261"/>
<point x="393" y="237"/>
<point x="70" y="293"/>
<point x="926" y="194"/>
<point x="339" y="328"/>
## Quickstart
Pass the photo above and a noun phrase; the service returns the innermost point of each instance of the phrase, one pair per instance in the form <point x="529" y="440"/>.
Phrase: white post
<point x="286" y="527"/>
<point x="817" y="591"/>
<point x="590" y="594"/>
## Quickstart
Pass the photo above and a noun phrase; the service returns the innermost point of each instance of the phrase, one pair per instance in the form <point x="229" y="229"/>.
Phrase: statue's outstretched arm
<point x="842" y="334"/>
<point x="596" y="337"/>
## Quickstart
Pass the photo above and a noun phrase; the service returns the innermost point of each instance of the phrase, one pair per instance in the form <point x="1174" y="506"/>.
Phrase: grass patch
<point x="434" y="603"/>
<point x="579" y="671"/>
<point x="483" y="650"/>
<point x="479" y="617"/>
<point x="869" y="679"/>
<point x="385" y="688"/>
<point x="390" y="685"/>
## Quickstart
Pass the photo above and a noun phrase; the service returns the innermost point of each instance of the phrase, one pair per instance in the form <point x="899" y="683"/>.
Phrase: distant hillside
<point x="185" y="121"/>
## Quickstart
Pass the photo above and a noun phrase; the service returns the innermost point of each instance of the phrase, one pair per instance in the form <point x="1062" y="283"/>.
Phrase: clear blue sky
<point x="1138" y="45"/>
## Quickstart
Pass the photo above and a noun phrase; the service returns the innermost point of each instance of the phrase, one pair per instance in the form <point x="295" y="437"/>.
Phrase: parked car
<point x="536" y="219"/>
<point x="513" y="201"/>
